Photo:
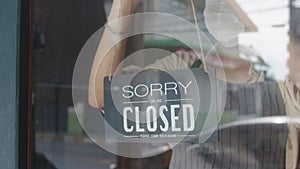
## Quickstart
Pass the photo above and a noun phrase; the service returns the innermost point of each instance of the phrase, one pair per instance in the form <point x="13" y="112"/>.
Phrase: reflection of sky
<point x="271" y="17"/>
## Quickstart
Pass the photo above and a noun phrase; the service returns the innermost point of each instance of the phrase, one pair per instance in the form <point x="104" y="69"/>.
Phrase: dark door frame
<point x="24" y="85"/>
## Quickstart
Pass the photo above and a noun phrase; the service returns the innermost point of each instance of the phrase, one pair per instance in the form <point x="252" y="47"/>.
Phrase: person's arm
<point x="100" y="70"/>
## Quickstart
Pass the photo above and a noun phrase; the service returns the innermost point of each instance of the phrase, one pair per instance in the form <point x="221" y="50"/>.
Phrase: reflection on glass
<point x="257" y="56"/>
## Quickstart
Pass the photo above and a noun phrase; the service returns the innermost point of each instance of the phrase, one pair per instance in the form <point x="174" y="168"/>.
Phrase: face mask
<point x="222" y="23"/>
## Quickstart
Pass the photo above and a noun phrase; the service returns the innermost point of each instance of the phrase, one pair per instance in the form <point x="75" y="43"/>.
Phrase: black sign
<point x="153" y="105"/>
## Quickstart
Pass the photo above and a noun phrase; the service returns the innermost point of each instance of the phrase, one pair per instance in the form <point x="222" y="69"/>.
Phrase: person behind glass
<point x="291" y="94"/>
<point x="236" y="70"/>
<point x="223" y="154"/>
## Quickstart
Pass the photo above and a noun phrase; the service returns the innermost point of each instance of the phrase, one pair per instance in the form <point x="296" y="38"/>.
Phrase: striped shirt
<point x="251" y="146"/>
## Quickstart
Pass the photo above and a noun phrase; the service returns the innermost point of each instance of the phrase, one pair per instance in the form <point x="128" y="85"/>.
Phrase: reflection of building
<point x="294" y="45"/>
<point x="182" y="9"/>
<point x="295" y="13"/>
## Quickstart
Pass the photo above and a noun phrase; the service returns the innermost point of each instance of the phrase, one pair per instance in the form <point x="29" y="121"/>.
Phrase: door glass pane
<point x="179" y="84"/>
